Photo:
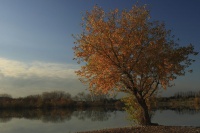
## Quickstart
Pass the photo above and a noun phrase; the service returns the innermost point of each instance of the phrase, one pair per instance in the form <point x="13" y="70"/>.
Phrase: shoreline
<point x="149" y="129"/>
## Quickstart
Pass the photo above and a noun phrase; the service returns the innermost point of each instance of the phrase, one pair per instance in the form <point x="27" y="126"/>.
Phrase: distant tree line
<point x="189" y="94"/>
<point x="179" y="101"/>
<point x="59" y="99"/>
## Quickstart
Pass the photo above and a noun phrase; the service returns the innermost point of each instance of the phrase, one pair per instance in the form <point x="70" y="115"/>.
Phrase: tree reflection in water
<point x="62" y="115"/>
<point x="95" y="114"/>
<point x="56" y="115"/>
<point x="5" y="119"/>
<point x="187" y="111"/>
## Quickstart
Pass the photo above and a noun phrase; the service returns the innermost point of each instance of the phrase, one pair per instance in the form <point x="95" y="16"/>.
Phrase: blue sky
<point x="36" y="43"/>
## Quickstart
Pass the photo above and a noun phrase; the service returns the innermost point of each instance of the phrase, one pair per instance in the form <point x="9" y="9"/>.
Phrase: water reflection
<point x="94" y="115"/>
<point x="177" y="117"/>
<point x="56" y="115"/>
<point x="62" y="115"/>
<point x="68" y="120"/>
<point x="5" y="119"/>
<point x="179" y="111"/>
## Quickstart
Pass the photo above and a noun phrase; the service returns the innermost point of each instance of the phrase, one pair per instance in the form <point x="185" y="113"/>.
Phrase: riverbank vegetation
<point x="180" y="100"/>
<point x="60" y="99"/>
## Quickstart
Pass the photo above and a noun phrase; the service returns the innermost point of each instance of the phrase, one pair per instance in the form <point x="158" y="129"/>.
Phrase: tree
<point x="127" y="52"/>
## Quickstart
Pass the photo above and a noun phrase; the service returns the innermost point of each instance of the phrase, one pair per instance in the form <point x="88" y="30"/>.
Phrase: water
<point x="69" y="121"/>
<point x="177" y="118"/>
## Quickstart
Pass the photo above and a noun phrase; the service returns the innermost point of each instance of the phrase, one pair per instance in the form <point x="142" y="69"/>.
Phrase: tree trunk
<point x="146" y="120"/>
<point x="146" y="116"/>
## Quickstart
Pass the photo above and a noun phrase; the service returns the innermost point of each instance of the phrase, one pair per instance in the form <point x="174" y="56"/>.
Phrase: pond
<point x="69" y="121"/>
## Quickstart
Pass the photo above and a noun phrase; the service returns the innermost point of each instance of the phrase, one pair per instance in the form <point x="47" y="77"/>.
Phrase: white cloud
<point x="12" y="68"/>
<point x="21" y="79"/>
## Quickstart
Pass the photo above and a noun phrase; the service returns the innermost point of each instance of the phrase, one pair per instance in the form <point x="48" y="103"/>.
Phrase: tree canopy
<point x="128" y="52"/>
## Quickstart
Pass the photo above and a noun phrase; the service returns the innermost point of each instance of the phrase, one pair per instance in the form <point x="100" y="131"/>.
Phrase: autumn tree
<point x="127" y="52"/>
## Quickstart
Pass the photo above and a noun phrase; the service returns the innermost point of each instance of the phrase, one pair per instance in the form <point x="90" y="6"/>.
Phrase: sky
<point x="36" y="41"/>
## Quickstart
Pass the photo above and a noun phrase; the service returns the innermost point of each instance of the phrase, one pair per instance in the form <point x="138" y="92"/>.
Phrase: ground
<point x="150" y="129"/>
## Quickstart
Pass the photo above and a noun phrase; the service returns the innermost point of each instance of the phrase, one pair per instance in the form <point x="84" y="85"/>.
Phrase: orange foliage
<point x="125" y="51"/>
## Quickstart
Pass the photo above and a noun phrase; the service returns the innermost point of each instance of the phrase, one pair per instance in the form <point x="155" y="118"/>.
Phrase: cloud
<point x="12" y="68"/>
<point x="21" y="79"/>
